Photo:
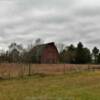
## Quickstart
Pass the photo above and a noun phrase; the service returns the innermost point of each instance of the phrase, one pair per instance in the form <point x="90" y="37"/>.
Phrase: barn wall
<point x="50" y="55"/>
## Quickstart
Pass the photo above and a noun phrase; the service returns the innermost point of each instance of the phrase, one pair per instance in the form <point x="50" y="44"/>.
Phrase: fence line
<point x="19" y="70"/>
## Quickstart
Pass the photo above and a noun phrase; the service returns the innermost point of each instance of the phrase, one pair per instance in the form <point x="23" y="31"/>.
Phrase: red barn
<point x="45" y="53"/>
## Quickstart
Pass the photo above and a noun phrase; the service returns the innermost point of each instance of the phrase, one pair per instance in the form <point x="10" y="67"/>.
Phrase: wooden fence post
<point x="64" y="69"/>
<point x="29" y="70"/>
<point x="9" y="74"/>
<point x="88" y="68"/>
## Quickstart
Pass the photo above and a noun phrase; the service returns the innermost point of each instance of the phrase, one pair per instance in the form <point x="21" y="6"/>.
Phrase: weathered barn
<point x="45" y="53"/>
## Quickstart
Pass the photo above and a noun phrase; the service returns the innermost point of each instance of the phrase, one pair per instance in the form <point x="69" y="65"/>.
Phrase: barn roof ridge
<point x="49" y="43"/>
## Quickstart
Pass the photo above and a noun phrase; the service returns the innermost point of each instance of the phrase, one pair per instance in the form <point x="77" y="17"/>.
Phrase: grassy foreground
<point x="71" y="86"/>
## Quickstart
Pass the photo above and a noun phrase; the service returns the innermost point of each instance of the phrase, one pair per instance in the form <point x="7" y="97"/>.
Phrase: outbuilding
<point x="45" y="54"/>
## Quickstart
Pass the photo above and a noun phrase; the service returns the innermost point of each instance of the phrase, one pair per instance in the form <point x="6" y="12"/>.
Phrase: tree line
<point x="16" y="53"/>
<point x="80" y="55"/>
<point x="69" y="54"/>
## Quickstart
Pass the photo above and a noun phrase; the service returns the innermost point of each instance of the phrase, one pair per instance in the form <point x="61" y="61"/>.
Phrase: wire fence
<point x="8" y="70"/>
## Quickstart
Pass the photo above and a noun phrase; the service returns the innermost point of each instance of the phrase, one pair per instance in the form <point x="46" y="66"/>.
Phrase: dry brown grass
<point x="20" y="70"/>
<point x="70" y="86"/>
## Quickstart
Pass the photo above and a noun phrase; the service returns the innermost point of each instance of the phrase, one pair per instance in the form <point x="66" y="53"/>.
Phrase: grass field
<point x="71" y="86"/>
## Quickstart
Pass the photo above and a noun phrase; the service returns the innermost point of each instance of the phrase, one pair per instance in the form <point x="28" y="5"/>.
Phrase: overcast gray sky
<point x="64" y="21"/>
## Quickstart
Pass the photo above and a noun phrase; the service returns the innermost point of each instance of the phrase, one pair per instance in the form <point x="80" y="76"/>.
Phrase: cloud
<point x="64" y="21"/>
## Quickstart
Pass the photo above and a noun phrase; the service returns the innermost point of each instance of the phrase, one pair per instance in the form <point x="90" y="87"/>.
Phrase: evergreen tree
<point x="95" y="53"/>
<point x="87" y="56"/>
<point x="79" y="53"/>
<point x="72" y="53"/>
<point x="98" y="59"/>
<point x="83" y="55"/>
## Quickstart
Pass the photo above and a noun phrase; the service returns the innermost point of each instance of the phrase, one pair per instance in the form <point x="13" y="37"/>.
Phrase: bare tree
<point x="15" y="52"/>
